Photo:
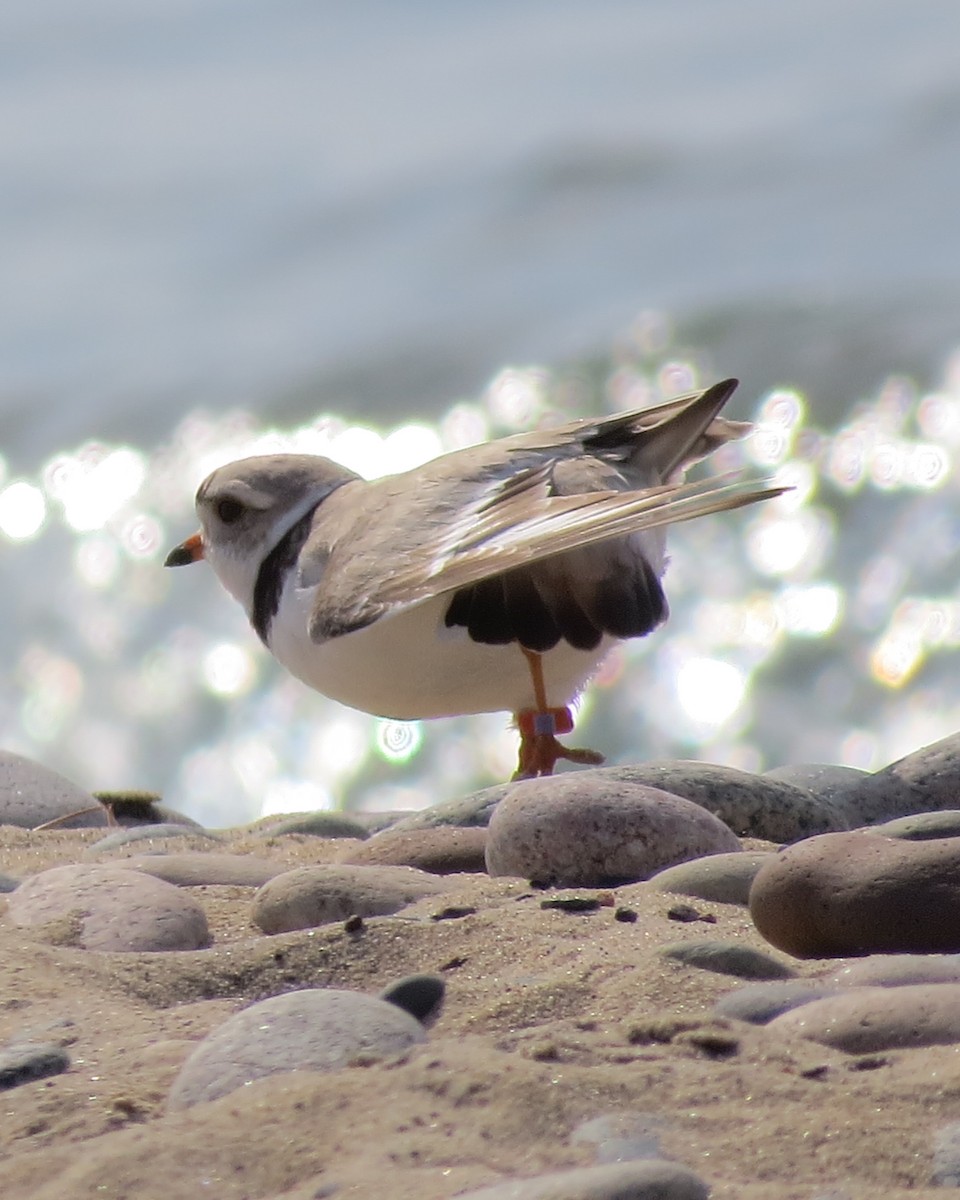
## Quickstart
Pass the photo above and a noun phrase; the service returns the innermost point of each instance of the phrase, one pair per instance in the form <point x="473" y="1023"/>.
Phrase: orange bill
<point x="190" y="551"/>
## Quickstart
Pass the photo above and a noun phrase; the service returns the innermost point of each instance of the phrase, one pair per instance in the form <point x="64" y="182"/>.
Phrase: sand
<point x="552" y="1018"/>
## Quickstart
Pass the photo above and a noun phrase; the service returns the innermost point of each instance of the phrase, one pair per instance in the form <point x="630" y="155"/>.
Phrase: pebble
<point x="859" y="893"/>
<point x="866" y="1020"/>
<point x="723" y="878"/>
<point x="441" y="850"/>
<point x="759" y="1003"/>
<point x="918" y="827"/>
<point x="924" y="781"/>
<point x="752" y="805"/>
<point x="316" y="1029"/>
<point x="26" y="1061"/>
<point x="727" y="958"/>
<point x="829" y="781"/>
<point x="145" y="833"/>
<point x="318" y="895"/>
<point x="621" y="1136"/>
<point x="898" y="970"/>
<point x="194" y="869"/>
<point x="651" y="1179"/>
<point x="419" y="995"/>
<point x="946" y="1156"/>
<point x="33" y="795"/>
<point x="109" y="908"/>
<point x="8" y="883"/>
<point x="591" y="829"/>
<point x="464" y="811"/>
<point x="321" y="823"/>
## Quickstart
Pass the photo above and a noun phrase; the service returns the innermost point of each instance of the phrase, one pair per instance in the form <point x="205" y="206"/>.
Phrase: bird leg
<point x="539" y="748"/>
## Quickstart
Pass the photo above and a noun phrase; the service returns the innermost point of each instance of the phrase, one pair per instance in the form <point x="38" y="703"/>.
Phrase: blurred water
<point x="222" y="223"/>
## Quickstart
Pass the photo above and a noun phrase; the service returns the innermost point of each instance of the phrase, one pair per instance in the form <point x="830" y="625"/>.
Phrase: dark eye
<point x="229" y="510"/>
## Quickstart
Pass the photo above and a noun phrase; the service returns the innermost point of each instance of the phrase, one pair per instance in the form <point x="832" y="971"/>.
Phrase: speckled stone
<point x="317" y="1029"/>
<point x="829" y="781"/>
<point x="321" y="823"/>
<point x="311" y="896"/>
<point x="24" y="1062"/>
<point x="727" y="958"/>
<point x="32" y="795"/>
<point x="920" y="827"/>
<point x="751" y="805"/>
<point x="866" y="1020"/>
<point x="759" y="1003"/>
<point x="898" y="970"/>
<point x="589" y="829"/>
<point x="442" y="850"/>
<point x="650" y="1179"/>
<point x="109" y="908"/>
<point x="193" y="869"/>
<point x="723" y="878"/>
<point x="136" y="835"/>
<point x="858" y="893"/>
<point x="928" y="780"/>
<point x="464" y="811"/>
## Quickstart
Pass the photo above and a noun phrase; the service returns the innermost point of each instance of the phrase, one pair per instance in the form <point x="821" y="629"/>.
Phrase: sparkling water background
<point x="381" y="232"/>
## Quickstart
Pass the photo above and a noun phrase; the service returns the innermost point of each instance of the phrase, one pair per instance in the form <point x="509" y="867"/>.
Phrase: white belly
<point x="411" y="666"/>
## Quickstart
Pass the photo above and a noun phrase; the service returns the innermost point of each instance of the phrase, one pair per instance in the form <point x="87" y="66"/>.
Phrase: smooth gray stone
<point x="728" y="958"/>
<point x="316" y="1029"/>
<point x="723" y="878"/>
<point x="921" y="827"/>
<point x="946" y="1156"/>
<point x="651" y="1179"/>
<point x="110" y="908"/>
<point x="752" y="805"/>
<point x="8" y="883"/>
<point x="759" y="1003"/>
<point x="144" y="833"/>
<point x="898" y="970"/>
<point x="622" y="1136"/>
<point x="24" y="1062"/>
<point x="475" y="809"/>
<point x="322" y="823"/>
<point x="419" y="995"/>
<point x="310" y="896"/>
<point x="829" y="781"/>
<point x="198" y="869"/>
<point x="928" y="780"/>
<point x="32" y="795"/>
<point x="589" y="829"/>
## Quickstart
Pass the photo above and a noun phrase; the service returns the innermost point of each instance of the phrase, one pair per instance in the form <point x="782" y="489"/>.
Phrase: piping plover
<point x="493" y="578"/>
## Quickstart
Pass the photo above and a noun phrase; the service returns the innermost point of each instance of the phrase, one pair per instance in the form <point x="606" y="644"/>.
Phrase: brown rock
<point x="443" y="850"/>
<point x="859" y="893"/>
<point x="866" y="1020"/>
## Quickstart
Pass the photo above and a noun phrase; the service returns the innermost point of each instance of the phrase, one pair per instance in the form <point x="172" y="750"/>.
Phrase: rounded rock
<point x="927" y="780"/>
<point x="32" y="795"/>
<point x="867" y="1020"/>
<point x="858" y="893"/>
<point x="919" y="827"/>
<point x="317" y="1029"/>
<point x="310" y="896"/>
<point x="110" y="908"/>
<point x="759" y="1003"/>
<point x="650" y="1179"/>
<point x="419" y="995"/>
<point x="588" y="829"/>
<point x="751" y="805"/>
<point x="899" y="970"/>
<point x="442" y="850"/>
<point x="829" y="781"/>
<point x="723" y="878"/>
<point x="196" y="869"/>
<point x="727" y="958"/>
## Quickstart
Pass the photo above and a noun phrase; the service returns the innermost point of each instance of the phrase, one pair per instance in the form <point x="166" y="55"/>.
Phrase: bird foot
<point x="539" y="749"/>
